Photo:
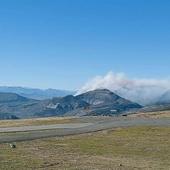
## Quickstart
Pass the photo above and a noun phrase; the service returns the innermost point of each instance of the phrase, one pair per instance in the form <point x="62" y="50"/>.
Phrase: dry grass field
<point x="143" y="148"/>
<point x="155" y="115"/>
<point x="37" y="121"/>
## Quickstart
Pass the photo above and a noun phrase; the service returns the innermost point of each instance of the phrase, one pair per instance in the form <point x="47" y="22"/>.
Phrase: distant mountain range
<point x="18" y="102"/>
<point x="138" y="95"/>
<point x="97" y="102"/>
<point x="14" y="105"/>
<point x="37" y="94"/>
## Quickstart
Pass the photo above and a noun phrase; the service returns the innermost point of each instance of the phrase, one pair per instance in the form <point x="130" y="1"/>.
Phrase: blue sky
<point x="63" y="43"/>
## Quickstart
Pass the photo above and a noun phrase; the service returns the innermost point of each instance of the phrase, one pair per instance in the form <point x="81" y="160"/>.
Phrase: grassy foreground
<point x="127" y="149"/>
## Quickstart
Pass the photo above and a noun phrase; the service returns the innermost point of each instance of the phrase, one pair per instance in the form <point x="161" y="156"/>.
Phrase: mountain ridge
<point x="97" y="102"/>
<point x="35" y="93"/>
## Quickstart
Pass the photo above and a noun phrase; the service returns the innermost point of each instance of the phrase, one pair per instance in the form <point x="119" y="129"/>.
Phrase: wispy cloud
<point x="143" y="91"/>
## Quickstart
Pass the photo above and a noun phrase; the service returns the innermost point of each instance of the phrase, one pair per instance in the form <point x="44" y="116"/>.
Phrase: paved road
<point x="35" y="132"/>
<point x="44" y="127"/>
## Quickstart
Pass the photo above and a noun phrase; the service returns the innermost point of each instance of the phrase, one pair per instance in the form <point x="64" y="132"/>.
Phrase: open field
<point x="36" y="121"/>
<point x="63" y="120"/>
<point x="50" y="121"/>
<point x="141" y="147"/>
<point x="159" y="114"/>
<point x="25" y="133"/>
<point x="130" y="143"/>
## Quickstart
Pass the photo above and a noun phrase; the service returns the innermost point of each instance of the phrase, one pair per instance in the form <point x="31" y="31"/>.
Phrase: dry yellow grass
<point x="37" y="121"/>
<point x="135" y="148"/>
<point x="159" y="114"/>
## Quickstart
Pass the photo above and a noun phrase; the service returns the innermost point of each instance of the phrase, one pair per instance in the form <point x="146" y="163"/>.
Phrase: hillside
<point x="105" y="102"/>
<point x="97" y="102"/>
<point x="37" y="94"/>
<point x="13" y="105"/>
<point x="11" y="97"/>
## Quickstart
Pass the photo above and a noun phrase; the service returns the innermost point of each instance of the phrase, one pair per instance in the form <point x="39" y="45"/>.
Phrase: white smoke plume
<point x="142" y="91"/>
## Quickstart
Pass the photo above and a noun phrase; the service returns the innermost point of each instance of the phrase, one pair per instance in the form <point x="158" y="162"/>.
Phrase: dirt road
<point x="90" y="125"/>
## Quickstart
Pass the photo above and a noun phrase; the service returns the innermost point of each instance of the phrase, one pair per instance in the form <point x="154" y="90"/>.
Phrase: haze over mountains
<point x="97" y="102"/>
<point x="165" y="98"/>
<point x="19" y="102"/>
<point x="34" y="93"/>
<point x="143" y="91"/>
<point x="144" y="94"/>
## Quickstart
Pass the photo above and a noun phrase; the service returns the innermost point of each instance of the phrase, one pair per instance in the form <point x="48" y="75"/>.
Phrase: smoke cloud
<point x="142" y="91"/>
